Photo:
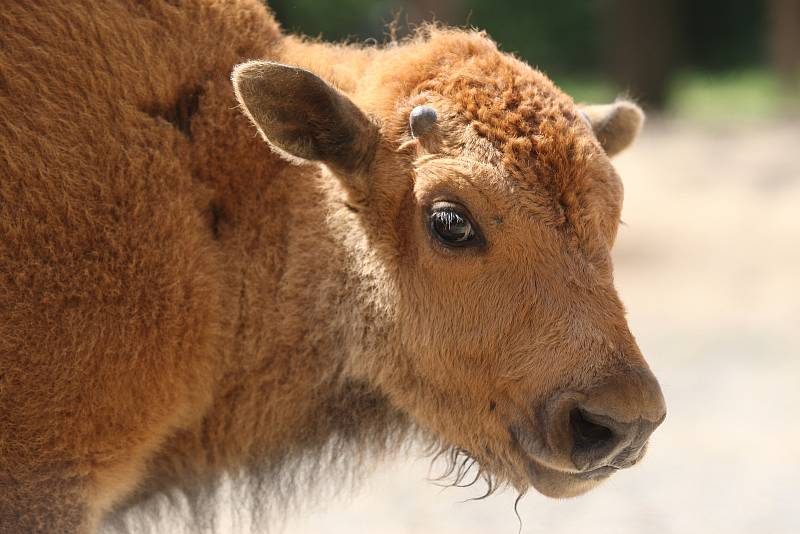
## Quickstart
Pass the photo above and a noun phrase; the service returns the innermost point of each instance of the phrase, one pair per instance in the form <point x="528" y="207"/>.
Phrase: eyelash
<point x="448" y="217"/>
<point x="451" y="227"/>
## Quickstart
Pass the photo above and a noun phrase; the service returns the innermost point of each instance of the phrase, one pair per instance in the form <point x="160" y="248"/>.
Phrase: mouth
<point x="601" y="473"/>
<point x="559" y="479"/>
<point x="560" y="484"/>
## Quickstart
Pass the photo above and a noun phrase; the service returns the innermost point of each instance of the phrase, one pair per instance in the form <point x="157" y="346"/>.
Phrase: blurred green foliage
<point x="739" y="95"/>
<point x="713" y="47"/>
<point x="563" y="37"/>
<point x="336" y="20"/>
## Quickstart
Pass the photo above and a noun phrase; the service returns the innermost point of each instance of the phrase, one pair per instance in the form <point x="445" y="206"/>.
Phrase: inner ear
<point x="615" y="125"/>
<point x="302" y="115"/>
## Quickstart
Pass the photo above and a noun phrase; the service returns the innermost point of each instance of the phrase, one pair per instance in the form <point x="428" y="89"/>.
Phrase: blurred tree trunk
<point x="639" y="37"/>
<point x="784" y="41"/>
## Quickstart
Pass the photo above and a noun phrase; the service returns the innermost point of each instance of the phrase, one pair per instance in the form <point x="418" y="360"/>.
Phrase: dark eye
<point x="451" y="226"/>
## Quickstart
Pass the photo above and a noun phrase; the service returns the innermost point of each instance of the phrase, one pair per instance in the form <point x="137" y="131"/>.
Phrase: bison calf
<point x="422" y="246"/>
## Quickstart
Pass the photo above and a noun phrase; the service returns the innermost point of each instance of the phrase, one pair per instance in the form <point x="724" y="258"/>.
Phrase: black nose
<point x="605" y="426"/>
<point x="600" y="441"/>
<point x="593" y="438"/>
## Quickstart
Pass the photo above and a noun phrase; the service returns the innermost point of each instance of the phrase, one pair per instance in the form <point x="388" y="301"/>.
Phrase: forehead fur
<point x="542" y="144"/>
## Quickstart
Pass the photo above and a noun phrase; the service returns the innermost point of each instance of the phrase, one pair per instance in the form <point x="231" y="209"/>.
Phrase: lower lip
<point x="597" y="474"/>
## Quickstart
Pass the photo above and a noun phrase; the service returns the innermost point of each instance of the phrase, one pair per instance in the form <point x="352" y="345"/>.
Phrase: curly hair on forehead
<point x="534" y="126"/>
<point x="543" y="145"/>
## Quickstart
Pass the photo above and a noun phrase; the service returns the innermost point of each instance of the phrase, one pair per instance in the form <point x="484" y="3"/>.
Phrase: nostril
<point x="588" y="436"/>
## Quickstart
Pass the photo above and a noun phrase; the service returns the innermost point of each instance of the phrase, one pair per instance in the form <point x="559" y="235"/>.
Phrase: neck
<point x="301" y="309"/>
<point x="303" y="319"/>
<point x="301" y="338"/>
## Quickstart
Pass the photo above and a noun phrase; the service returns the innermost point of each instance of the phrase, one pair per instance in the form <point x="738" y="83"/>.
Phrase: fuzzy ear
<point x="615" y="125"/>
<point x="305" y="117"/>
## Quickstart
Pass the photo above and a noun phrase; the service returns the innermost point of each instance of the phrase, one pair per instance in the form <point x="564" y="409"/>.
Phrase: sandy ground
<point x="708" y="265"/>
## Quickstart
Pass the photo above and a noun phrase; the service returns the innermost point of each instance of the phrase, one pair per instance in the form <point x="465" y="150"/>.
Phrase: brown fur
<point x="178" y="302"/>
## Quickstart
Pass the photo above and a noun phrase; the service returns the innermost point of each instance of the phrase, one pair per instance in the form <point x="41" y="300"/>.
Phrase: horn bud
<point x="421" y="120"/>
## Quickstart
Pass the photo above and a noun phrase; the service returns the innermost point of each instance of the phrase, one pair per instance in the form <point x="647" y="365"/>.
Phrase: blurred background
<point x="708" y="261"/>
<point x="709" y="59"/>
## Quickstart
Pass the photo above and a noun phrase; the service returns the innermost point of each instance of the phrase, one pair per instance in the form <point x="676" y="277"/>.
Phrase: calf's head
<point x="483" y="207"/>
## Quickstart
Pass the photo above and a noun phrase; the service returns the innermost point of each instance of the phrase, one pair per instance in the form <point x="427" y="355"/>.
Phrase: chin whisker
<point x="462" y="470"/>
<point x="516" y="510"/>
